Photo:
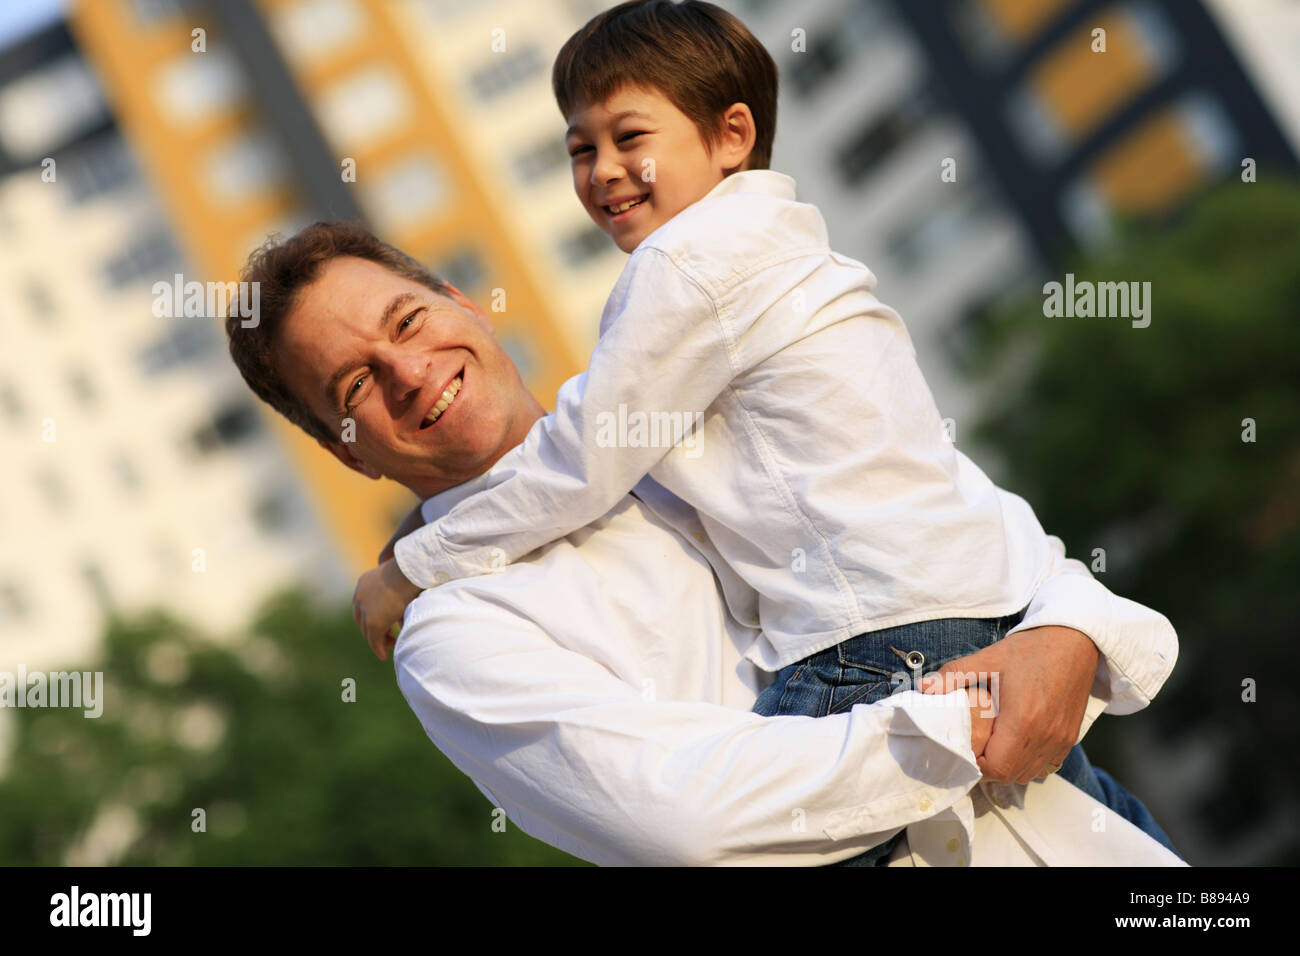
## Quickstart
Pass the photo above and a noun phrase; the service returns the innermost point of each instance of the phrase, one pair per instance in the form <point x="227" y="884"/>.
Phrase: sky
<point x="21" y="17"/>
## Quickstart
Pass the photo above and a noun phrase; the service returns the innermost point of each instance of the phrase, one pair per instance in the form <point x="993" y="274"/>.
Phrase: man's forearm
<point x="581" y="760"/>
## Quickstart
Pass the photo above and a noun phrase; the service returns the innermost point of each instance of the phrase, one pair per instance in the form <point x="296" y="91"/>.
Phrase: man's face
<point x="364" y="343"/>
<point x="637" y="145"/>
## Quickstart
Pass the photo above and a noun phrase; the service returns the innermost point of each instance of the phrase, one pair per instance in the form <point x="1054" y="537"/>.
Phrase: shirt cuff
<point x="943" y="777"/>
<point x="1138" y="646"/>
<point x="422" y="562"/>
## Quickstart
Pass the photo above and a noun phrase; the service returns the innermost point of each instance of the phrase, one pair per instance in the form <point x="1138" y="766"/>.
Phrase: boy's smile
<point x="638" y="161"/>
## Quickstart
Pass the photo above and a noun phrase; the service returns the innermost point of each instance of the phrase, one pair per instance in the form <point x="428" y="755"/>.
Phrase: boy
<point x="805" y="436"/>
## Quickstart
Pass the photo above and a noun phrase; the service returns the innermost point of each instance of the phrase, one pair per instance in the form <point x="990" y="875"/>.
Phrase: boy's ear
<point x="344" y="454"/>
<point x="738" y="136"/>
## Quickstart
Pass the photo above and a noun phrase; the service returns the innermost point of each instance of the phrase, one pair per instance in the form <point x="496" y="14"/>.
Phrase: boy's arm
<point x="665" y="351"/>
<point x="1138" y="646"/>
<point x="594" y="767"/>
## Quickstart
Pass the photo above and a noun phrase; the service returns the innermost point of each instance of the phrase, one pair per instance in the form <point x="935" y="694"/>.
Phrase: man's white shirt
<point x="598" y="691"/>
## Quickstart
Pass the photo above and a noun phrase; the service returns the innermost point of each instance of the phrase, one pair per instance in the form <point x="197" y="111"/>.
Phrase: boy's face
<point x="637" y="146"/>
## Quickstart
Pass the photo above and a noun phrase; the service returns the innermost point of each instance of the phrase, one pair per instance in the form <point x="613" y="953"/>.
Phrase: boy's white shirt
<point x="599" y="692"/>
<point x="821" y="471"/>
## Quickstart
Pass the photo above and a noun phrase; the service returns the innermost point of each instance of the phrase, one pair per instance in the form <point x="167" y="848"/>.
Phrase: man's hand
<point x="378" y="602"/>
<point x="1044" y="676"/>
<point x="981" y="721"/>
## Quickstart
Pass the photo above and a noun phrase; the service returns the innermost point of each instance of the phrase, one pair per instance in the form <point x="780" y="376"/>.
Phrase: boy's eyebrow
<point x="397" y="302"/>
<point x="618" y="116"/>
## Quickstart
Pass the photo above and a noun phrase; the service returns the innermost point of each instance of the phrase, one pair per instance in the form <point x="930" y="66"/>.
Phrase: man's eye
<point x="407" y="321"/>
<point x="352" y="392"/>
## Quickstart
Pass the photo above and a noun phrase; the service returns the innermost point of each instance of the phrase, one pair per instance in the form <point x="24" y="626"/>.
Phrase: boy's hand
<point x="378" y="602"/>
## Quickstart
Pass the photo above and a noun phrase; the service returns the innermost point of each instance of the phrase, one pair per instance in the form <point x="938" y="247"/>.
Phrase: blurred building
<point x="141" y="474"/>
<point x="426" y="120"/>
<point x="1048" y="137"/>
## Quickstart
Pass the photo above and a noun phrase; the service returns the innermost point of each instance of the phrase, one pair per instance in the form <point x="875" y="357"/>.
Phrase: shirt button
<point x="698" y="537"/>
<point x="954" y="845"/>
<point x="441" y="577"/>
<point x="926" y="804"/>
<point x="961" y="861"/>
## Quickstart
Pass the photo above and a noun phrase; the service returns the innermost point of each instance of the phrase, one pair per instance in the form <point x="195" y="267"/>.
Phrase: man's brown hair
<point x="697" y="55"/>
<point x="282" y="268"/>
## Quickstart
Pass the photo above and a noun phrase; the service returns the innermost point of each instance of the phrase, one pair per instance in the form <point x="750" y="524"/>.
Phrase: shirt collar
<point x="755" y="181"/>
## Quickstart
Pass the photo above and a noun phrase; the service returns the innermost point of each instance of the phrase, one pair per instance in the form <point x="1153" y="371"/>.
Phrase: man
<point x="598" y="690"/>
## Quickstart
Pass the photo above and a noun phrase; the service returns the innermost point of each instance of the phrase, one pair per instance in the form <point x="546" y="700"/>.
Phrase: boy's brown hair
<point x="697" y="55"/>
<point x="282" y="268"/>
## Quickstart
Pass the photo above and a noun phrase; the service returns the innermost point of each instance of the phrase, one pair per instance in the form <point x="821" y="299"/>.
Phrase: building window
<point x="185" y="341"/>
<point x="148" y="256"/>
<point x="10" y="402"/>
<point x="48" y="108"/>
<point x="581" y="247"/>
<point x="273" y="513"/>
<point x="234" y="425"/>
<point x="39" y="300"/>
<point x="96" y="168"/>
<point x="150" y="12"/>
<point x="811" y="68"/>
<point x="364" y="106"/>
<point x="403" y="193"/>
<point x="545" y="158"/>
<point x="13" y="604"/>
<point x="311" y="30"/>
<point x="464" y="270"/>
<point x="194" y="87"/>
<point x="936" y="232"/>
<point x="82" y="388"/>
<point x="505" y="71"/>
<point x="128" y="478"/>
<point x="245" y="167"/>
<point x="882" y="136"/>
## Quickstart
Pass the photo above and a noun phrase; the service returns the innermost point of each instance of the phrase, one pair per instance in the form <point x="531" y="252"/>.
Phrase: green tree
<point x="1176" y="449"/>
<point x="258" y="736"/>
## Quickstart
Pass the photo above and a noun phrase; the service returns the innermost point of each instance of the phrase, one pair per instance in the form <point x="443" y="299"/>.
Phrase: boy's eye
<point x="626" y="136"/>
<point x="579" y="149"/>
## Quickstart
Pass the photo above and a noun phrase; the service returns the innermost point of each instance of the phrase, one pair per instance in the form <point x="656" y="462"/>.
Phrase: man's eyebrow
<point x="331" y="387"/>
<point x="623" y="115"/>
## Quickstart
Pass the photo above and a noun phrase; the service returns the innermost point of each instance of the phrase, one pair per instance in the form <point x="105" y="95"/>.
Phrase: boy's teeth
<point x="623" y="207"/>
<point x="441" y="405"/>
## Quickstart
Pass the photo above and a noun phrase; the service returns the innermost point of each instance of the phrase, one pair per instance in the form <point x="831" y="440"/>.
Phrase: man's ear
<point x="344" y="454"/>
<point x="469" y="305"/>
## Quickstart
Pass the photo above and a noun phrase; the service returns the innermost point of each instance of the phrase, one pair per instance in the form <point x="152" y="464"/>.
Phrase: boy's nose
<point x="605" y="170"/>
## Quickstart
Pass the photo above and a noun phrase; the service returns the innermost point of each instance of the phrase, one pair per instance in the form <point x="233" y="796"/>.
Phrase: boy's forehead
<point x="631" y="100"/>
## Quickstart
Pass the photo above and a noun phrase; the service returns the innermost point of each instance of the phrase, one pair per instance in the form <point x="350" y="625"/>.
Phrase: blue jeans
<point x="870" y="667"/>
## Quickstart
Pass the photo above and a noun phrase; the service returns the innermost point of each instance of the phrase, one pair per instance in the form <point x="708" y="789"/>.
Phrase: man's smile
<point x="443" y="402"/>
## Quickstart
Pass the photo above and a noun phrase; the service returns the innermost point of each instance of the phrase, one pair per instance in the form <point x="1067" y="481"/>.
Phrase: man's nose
<point x="409" y="371"/>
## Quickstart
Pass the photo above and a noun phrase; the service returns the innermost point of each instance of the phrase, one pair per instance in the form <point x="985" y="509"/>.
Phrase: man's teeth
<point x="441" y="405"/>
<point x="624" y="207"/>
